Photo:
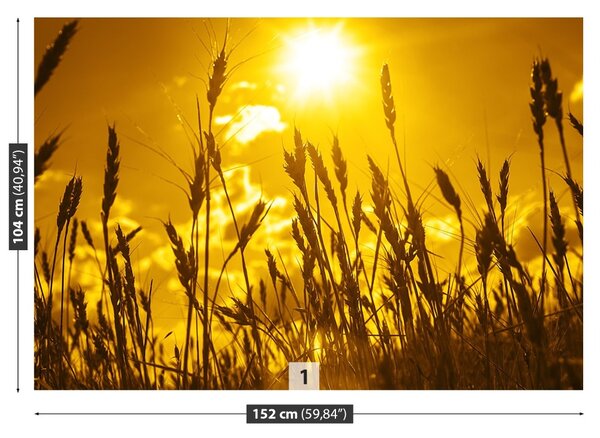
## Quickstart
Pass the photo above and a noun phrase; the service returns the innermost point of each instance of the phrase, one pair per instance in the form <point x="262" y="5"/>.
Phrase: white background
<point x="17" y="412"/>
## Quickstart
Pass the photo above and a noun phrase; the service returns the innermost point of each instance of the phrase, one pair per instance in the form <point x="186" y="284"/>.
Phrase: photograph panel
<point x="396" y="203"/>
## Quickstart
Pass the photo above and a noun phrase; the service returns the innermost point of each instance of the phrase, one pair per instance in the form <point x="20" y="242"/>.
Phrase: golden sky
<point x="460" y="87"/>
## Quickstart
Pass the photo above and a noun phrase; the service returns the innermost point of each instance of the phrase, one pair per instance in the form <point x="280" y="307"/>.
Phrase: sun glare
<point x="320" y="61"/>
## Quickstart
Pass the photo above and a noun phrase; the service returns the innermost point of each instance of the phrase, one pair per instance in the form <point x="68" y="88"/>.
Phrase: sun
<point x="320" y="62"/>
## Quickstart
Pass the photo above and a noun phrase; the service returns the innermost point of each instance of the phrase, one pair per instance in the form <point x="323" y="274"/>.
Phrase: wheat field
<point x="388" y="275"/>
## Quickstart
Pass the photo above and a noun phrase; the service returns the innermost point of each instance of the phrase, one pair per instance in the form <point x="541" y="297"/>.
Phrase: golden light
<point x="320" y="61"/>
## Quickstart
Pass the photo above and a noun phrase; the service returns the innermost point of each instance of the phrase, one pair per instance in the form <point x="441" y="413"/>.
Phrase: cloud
<point x="444" y="229"/>
<point x="243" y="85"/>
<point x="51" y="176"/>
<point x="251" y="121"/>
<point x="577" y="92"/>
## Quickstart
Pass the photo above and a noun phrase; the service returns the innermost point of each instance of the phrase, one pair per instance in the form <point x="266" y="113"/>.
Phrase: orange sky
<point x="460" y="86"/>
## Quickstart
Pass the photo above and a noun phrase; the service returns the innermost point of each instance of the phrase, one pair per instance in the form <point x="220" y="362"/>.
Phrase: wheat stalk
<point x="43" y="155"/>
<point x="484" y="184"/>
<point x="558" y="235"/>
<point x="341" y="167"/>
<point x="53" y="55"/>
<point x="111" y="173"/>
<point x="553" y="100"/>
<point x="576" y="124"/>
<point x="503" y="189"/>
<point x="539" y="119"/>
<point x="452" y="198"/>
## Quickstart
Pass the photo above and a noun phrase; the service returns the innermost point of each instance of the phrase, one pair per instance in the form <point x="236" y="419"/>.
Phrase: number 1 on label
<point x="305" y="376"/>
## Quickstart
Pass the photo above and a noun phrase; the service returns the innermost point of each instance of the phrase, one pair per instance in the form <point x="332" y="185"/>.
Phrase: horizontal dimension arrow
<point x="356" y="413"/>
<point x="140" y="413"/>
<point x="467" y="413"/>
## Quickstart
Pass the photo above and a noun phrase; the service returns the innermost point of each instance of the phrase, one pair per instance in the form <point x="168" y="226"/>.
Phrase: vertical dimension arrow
<point x="17" y="199"/>
<point x="18" y="79"/>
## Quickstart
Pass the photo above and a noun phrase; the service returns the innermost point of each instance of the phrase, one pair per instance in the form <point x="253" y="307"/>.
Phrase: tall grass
<point x="368" y="303"/>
